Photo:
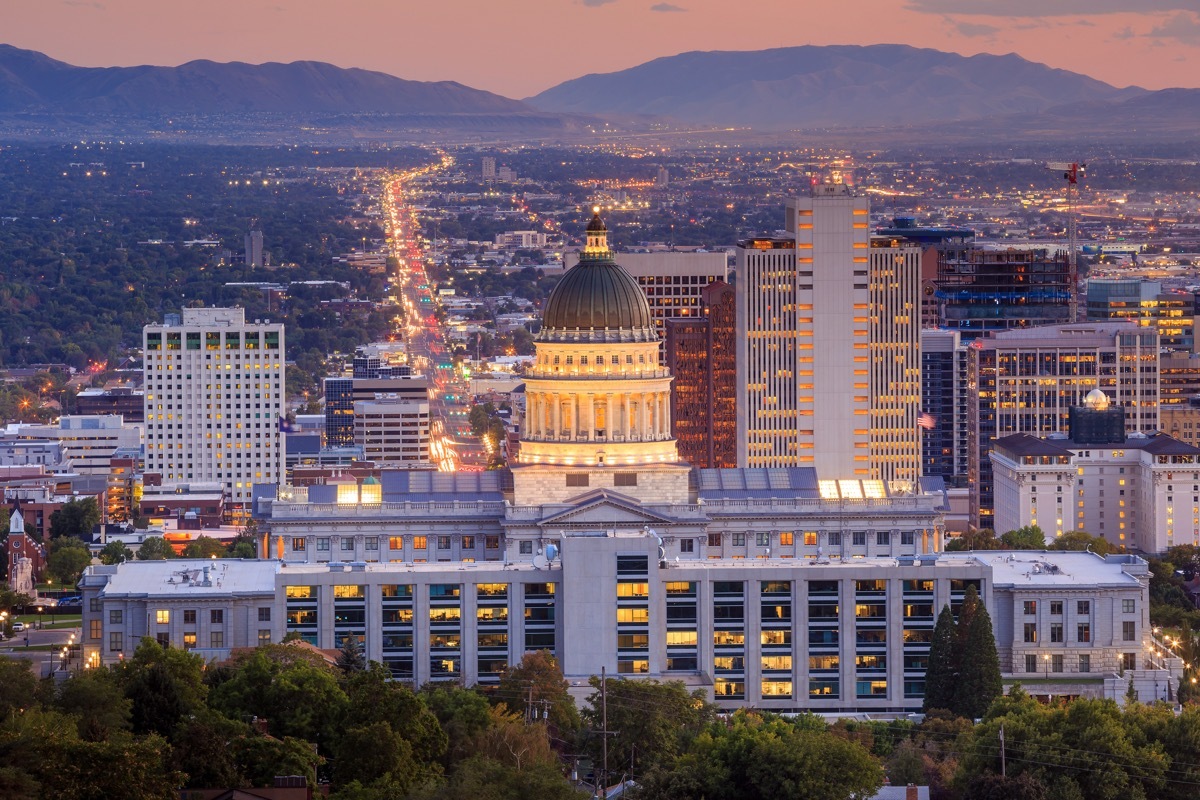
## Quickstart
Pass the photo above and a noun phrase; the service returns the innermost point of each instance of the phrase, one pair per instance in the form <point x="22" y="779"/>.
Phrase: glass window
<point x="216" y="616"/>
<point x="1030" y="608"/>
<point x="1128" y="631"/>
<point x="115" y="617"/>
<point x="1084" y="607"/>
<point x="1031" y="632"/>
<point x="1127" y="606"/>
<point x="162" y="616"/>
<point x="264" y="614"/>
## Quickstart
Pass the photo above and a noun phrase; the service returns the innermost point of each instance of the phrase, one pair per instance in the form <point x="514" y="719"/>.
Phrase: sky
<point x="520" y="47"/>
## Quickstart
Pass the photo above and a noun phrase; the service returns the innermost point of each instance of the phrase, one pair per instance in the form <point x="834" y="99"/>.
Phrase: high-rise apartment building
<point x="828" y="344"/>
<point x="378" y="375"/>
<point x="1026" y="381"/>
<point x="214" y="394"/>
<point x="489" y="169"/>
<point x="980" y="290"/>
<point x="1145" y="302"/>
<point x="254" y="249"/>
<point x="394" y="431"/>
<point x="700" y="355"/>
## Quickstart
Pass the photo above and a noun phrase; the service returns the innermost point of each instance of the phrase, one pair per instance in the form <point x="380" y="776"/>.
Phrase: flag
<point x="927" y="421"/>
<point x="285" y="426"/>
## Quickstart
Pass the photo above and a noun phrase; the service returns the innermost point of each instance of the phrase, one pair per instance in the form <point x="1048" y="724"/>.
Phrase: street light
<point x="39" y="618"/>
<point x="1046" y="659"/>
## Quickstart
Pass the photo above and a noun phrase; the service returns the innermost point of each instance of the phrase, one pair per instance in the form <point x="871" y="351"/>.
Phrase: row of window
<point x="1082" y="607"/>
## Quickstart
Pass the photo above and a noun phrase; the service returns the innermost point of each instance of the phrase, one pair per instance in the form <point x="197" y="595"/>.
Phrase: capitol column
<point x="590" y="418"/>
<point x="555" y="415"/>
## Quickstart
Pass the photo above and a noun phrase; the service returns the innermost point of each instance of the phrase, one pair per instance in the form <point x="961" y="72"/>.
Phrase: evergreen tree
<point x="979" y="681"/>
<point x="966" y="612"/>
<point x="351" y="658"/>
<point x="939" y="675"/>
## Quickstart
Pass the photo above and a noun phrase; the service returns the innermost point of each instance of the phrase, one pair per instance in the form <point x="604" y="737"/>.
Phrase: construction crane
<point x="1071" y="173"/>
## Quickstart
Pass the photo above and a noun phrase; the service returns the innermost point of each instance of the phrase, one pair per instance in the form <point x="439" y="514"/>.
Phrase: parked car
<point x="18" y="627"/>
<point x="70" y="602"/>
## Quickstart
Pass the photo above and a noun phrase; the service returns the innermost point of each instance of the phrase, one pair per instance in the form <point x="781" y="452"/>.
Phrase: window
<point x="115" y="617"/>
<point x="714" y="540"/>
<point x="1085" y="663"/>
<point x="576" y="479"/>
<point x="162" y="616"/>
<point x="395" y="542"/>
<point x="189" y="640"/>
<point x="1031" y="632"/>
<point x="1083" y="632"/>
<point x="264" y="614"/>
<point x="1056" y="632"/>
<point x="468" y="543"/>
<point x="1128" y="661"/>
<point x="1128" y="631"/>
<point x="1056" y="663"/>
<point x="443" y="543"/>
<point x="526" y="548"/>
<point x="1083" y="607"/>
<point x="1031" y="664"/>
<point x="491" y="542"/>
<point x="763" y="539"/>
<point x="835" y="539"/>
<point x="625" y="479"/>
<point x="297" y="543"/>
<point x="908" y="537"/>
<point x="1056" y="608"/>
<point x="347" y="543"/>
<point x="264" y="637"/>
<point x="687" y="545"/>
<point x="94" y="605"/>
<point x="1127" y="606"/>
<point x="372" y="542"/>
<point x="163" y="639"/>
<point x="1030" y="608"/>
<point x="883" y="538"/>
<point x="323" y="544"/>
<point x="216" y="616"/>
<point x="189" y="616"/>
<point x="860" y="539"/>
<point x="420" y="543"/>
<point x="216" y="639"/>
<point x="739" y="540"/>
<point x="95" y="628"/>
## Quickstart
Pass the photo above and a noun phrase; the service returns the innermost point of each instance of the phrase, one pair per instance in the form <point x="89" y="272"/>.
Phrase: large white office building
<point x="828" y="361"/>
<point x="214" y="394"/>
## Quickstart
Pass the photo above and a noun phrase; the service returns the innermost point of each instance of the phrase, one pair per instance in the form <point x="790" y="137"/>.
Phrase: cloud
<point x="667" y="7"/>
<point x="596" y="3"/>
<point x="1046" y="8"/>
<point x="971" y="29"/>
<point x="1181" y="27"/>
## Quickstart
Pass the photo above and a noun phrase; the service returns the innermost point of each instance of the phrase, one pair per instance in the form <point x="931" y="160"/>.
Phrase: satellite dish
<point x="540" y="561"/>
<point x="551" y="552"/>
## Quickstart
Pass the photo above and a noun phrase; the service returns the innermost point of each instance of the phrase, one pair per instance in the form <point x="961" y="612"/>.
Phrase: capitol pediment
<point x="605" y="509"/>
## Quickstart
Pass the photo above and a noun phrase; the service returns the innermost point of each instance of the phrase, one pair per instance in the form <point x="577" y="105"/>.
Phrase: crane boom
<point x="1071" y="172"/>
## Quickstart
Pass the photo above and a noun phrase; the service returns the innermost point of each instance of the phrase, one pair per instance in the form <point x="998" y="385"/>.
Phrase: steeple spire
<point x="597" y="239"/>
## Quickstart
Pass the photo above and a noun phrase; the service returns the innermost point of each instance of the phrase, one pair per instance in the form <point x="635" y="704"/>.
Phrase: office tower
<point x="379" y="374"/>
<point x="945" y="402"/>
<point x="1062" y="483"/>
<point x="936" y="242"/>
<point x="980" y="290"/>
<point x="662" y="179"/>
<point x="828" y="344"/>
<point x="1145" y="302"/>
<point x="214" y="394"/>
<point x="123" y="400"/>
<point x="489" y="169"/>
<point x="700" y="355"/>
<point x="394" y="430"/>
<point x="895" y="348"/>
<point x="1026" y="381"/>
<point x="672" y="281"/>
<point x="1178" y="377"/>
<point x="254" y="249"/>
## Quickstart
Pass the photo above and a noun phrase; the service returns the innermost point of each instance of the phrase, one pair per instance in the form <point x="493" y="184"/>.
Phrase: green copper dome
<point x="597" y="300"/>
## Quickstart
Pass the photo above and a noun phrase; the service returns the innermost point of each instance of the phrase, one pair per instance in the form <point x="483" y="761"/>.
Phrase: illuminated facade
<point x="214" y="393"/>
<point x="828" y="358"/>
<point x="1171" y="313"/>
<point x="980" y="291"/>
<point x="700" y="355"/>
<point x="1026" y="381"/>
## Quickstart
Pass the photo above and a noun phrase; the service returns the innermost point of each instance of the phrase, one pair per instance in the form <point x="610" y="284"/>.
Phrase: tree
<point x="979" y="682"/>
<point x="155" y="548"/>
<point x="1081" y="540"/>
<point x="75" y="518"/>
<point x="97" y="701"/>
<point x="204" y="547"/>
<point x="376" y="755"/>
<point x="17" y="686"/>
<point x="940" y="673"/>
<point x="463" y="713"/>
<point x="165" y="685"/>
<point x="375" y="697"/>
<point x="351" y="657"/>
<point x="539" y="679"/>
<point x="995" y="787"/>
<point x="68" y="559"/>
<point x="981" y="539"/>
<point x="115" y="552"/>
<point x="1029" y="537"/>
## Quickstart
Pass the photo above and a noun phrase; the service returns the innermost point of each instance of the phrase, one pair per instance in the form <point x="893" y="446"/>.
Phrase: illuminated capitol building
<point x="780" y="588"/>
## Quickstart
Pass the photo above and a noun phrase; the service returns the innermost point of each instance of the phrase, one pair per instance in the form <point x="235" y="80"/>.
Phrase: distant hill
<point x="31" y="82"/>
<point x="830" y="86"/>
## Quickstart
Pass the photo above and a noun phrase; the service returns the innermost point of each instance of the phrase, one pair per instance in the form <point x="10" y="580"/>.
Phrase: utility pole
<point x="604" y="733"/>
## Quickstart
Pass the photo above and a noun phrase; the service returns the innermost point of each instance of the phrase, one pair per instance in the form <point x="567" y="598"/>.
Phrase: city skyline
<point x="526" y="46"/>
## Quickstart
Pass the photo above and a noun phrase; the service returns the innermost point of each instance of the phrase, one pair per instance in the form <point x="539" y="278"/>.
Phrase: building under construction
<point x="979" y="291"/>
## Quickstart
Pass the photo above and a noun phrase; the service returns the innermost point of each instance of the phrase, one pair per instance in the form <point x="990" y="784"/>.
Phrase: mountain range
<point x="884" y="92"/>
<point x="829" y="86"/>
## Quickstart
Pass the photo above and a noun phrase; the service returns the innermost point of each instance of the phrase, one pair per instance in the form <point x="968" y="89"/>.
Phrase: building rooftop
<point x="186" y="577"/>
<point x="1029" y="568"/>
<point x="1159" y="444"/>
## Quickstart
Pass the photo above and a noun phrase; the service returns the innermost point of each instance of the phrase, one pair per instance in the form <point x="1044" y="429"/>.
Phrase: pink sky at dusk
<point x="520" y="47"/>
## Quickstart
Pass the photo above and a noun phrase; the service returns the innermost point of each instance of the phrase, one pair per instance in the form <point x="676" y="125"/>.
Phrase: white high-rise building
<point x="828" y="344"/>
<point x="489" y="169"/>
<point x="214" y="395"/>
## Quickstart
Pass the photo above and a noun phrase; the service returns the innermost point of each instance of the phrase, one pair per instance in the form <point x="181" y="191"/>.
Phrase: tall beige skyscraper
<point x="828" y="344"/>
<point x="214" y="395"/>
